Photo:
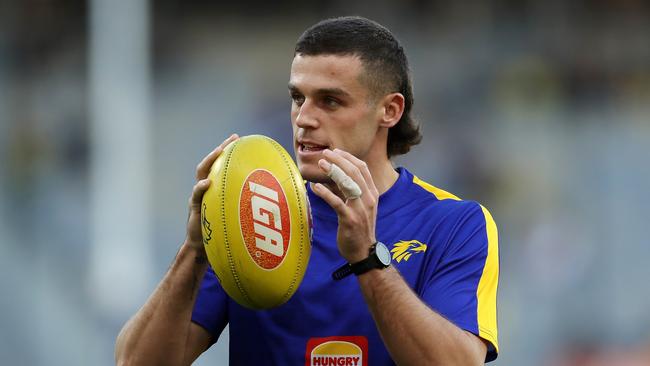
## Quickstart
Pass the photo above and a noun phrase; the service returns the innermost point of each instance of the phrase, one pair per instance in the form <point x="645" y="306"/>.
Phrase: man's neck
<point x="384" y="176"/>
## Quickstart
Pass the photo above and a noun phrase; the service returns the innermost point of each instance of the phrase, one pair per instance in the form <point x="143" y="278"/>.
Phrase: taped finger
<point x="347" y="185"/>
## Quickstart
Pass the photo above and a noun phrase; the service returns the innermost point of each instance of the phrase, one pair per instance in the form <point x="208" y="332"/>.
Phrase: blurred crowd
<point x="540" y="110"/>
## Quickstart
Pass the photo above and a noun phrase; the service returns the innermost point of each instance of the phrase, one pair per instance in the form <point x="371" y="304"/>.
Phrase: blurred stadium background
<point x="538" y="109"/>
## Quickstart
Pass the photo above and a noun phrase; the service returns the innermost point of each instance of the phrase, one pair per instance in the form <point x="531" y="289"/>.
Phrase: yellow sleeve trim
<point x="486" y="292"/>
<point x="439" y="193"/>
<point x="487" y="286"/>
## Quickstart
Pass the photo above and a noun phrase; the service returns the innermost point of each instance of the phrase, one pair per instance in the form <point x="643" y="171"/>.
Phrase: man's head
<point x="357" y="54"/>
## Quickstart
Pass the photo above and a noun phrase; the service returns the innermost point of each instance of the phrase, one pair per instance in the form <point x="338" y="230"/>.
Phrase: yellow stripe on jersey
<point x="487" y="286"/>
<point x="439" y="193"/>
<point x="486" y="292"/>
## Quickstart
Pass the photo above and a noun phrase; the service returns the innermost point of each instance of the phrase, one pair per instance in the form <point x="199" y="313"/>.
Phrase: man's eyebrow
<point x="326" y="91"/>
<point x="333" y="91"/>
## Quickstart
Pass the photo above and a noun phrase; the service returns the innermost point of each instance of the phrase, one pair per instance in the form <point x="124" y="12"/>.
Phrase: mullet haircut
<point x="384" y="61"/>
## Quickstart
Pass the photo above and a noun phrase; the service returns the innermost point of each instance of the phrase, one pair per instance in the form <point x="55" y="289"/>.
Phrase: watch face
<point x="383" y="253"/>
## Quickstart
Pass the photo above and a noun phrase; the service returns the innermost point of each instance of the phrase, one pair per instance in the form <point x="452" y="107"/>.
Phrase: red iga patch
<point x="337" y="351"/>
<point x="264" y="219"/>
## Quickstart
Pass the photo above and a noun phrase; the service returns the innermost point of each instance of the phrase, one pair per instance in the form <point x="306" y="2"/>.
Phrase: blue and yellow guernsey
<point x="445" y="248"/>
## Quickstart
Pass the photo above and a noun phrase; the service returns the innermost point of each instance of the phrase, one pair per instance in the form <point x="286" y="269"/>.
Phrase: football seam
<point x="231" y="263"/>
<point x="289" y="291"/>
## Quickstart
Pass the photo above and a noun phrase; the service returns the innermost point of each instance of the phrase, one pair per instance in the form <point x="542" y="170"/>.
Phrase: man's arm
<point x="162" y="332"/>
<point x="413" y="333"/>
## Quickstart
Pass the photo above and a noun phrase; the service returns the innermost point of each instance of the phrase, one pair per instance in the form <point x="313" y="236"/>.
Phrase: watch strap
<point x="342" y="272"/>
<point x="366" y="265"/>
<point x="360" y="267"/>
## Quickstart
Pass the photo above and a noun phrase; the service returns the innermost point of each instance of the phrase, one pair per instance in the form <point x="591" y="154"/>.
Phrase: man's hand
<point x="357" y="216"/>
<point x="194" y="237"/>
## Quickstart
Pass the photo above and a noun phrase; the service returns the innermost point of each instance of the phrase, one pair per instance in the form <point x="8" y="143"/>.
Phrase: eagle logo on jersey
<point x="403" y="249"/>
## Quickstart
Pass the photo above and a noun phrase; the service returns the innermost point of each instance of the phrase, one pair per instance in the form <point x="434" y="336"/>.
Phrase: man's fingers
<point x="347" y="167"/>
<point x="197" y="192"/>
<point x="333" y="200"/>
<point x="348" y="187"/>
<point x="363" y="168"/>
<point x="203" y="169"/>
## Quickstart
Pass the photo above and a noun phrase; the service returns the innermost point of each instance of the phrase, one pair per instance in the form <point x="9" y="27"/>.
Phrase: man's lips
<point x="310" y="148"/>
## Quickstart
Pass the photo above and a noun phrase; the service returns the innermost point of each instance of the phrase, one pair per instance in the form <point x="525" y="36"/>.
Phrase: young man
<point x="433" y="304"/>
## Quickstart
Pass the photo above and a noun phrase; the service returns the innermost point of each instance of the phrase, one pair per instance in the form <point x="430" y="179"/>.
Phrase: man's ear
<point x="391" y="109"/>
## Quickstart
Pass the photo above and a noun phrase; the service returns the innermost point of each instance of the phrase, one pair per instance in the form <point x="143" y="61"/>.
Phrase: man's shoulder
<point x="434" y="198"/>
<point x="438" y="193"/>
<point x="425" y="189"/>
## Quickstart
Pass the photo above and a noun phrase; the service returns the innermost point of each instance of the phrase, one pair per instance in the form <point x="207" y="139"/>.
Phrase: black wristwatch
<point x="379" y="258"/>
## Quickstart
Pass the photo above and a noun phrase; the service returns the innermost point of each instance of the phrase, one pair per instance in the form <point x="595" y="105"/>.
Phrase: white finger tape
<point x="348" y="186"/>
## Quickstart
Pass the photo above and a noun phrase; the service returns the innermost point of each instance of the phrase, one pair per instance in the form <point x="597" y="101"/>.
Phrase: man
<point x="435" y="304"/>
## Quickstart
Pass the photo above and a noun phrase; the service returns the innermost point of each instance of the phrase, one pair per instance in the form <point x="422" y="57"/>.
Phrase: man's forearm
<point x="158" y="331"/>
<point x="412" y="332"/>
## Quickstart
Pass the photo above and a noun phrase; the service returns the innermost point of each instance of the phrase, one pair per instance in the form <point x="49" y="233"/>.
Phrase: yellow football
<point x="256" y="222"/>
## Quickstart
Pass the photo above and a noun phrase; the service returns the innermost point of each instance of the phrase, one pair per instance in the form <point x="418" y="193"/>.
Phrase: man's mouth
<point x="311" y="148"/>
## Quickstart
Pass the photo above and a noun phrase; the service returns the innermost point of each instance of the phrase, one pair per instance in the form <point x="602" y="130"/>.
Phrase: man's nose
<point x="306" y="117"/>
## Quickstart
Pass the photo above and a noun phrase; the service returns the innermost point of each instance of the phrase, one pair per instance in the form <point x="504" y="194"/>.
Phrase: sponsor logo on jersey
<point x="264" y="219"/>
<point x="337" y="351"/>
<point x="402" y="250"/>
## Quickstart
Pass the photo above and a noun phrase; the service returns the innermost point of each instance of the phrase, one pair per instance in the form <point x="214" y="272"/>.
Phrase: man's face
<point x="331" y="108"/>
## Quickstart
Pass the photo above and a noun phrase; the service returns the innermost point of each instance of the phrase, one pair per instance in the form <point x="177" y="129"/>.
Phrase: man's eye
<point x="297" y="98"/>
<point x="332" y="102"/>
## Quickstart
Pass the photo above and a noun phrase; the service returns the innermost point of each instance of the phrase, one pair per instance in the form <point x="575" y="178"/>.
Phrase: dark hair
<point x="385" y="64"/>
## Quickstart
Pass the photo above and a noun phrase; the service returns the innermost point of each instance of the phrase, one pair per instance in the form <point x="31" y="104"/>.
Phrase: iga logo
<point x="264" y="219"/>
